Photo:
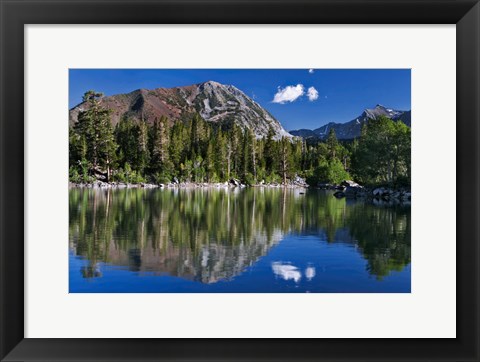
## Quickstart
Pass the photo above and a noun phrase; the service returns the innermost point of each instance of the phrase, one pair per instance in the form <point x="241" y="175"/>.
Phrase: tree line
<point x="195" y="150"/>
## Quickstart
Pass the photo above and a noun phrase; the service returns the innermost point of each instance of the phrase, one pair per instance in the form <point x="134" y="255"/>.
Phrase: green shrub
<point x="127" y="175"/>
<point x="249" y="179"/>
<point x="214" y="177"/>
<point x="73" y="175"/>
<point x="162" y="178"/>
<point x="329" y="172"/>
<point x="273" y="178"/>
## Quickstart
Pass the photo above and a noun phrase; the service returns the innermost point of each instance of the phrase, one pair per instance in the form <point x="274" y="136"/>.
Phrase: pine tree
<point x="177" y="149"/>
<point x="160" y="146"/>
<point x="229" y="149"/>
<point x="143" y="156"/>
<point x="253" y="154"/>
<point x="284" y="158"/>
<point x="209" y="163"/>
<point x="126" y="136"/>
<point x="77" y="147"/>
<point x="296" y="156"/>
<point x="220" y="155"/>
<point x="197" y="134"/>
<point x="235" y="151"/>
<point x="245" y="159"/>
<point x="95" y="126"/>
<point x="270" y="152"/>
<point x="332" y="144"/>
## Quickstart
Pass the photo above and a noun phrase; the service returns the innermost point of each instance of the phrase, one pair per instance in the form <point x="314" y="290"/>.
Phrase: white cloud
<point x="288" y="94"/>
<point x="312" y="94"/>
<point x="311" y="71"/>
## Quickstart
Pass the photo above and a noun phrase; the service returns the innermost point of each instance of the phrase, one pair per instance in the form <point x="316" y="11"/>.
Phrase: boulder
<point x="298" y="181"/>
<point x="349" y="183"/>
<point x="378" y="191"/>
<point x="101" y="184"/>
<point x="235" y="182"/>
<point x="395" y="195"/>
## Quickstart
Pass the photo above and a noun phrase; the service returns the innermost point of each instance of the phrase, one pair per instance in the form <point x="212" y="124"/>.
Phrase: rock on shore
<point x="296" y="182"/>
<point x="379" y="195"/>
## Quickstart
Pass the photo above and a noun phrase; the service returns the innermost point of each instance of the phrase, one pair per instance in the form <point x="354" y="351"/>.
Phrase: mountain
<point x="406" y="117"/>
<point x="304" y="133"/>
<point x="352" y="129"/>
<point x="215" y="102"/>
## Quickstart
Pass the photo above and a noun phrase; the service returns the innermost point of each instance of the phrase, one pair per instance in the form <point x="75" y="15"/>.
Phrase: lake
<point x="235" y="240"/>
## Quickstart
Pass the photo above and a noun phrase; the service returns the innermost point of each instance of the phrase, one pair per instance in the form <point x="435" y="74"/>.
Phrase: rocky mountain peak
<point x="352" y="129"/>
<point x="212" y="83"/>
<point x="215" y="102"/>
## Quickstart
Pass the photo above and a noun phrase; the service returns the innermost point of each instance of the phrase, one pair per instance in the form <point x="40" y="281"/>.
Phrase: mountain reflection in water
<point x="234" y="240"/>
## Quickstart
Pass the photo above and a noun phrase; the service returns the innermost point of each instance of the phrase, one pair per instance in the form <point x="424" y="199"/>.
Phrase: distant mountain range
<point x="215" y="102"/>
<point x="352" y="129"/>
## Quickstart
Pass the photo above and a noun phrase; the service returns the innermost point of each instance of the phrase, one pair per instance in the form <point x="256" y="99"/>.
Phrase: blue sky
<point x="298" y="98"/>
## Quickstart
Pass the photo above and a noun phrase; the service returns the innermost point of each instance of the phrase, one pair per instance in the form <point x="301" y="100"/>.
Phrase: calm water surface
<point x="234" y="240"/>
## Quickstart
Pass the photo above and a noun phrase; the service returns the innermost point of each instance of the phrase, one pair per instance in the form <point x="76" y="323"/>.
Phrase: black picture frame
<point x="15" y="14"/>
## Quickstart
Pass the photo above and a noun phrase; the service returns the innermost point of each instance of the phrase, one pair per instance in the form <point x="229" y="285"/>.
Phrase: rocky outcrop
<point x="387" y="194"/>
<point x="298" y="181"/>
<point x="378" y="196"/>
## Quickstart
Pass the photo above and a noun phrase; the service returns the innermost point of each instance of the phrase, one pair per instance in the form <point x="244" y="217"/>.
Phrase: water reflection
<point x="211" y="235"/>
<point x="310" y="273"/>
<point x="286" y="271"/>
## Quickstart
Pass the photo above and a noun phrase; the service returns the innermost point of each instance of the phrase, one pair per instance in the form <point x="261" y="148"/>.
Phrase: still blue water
<point x="241" y="241"/>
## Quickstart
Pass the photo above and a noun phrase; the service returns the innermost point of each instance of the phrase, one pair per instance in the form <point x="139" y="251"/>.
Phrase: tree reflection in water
<point x="208" y="235"/>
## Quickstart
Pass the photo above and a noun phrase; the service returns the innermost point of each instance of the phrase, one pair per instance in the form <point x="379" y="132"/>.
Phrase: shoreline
<point x="180" y="185"/>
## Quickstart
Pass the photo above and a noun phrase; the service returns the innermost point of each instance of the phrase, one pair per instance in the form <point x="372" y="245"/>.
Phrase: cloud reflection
<point x="310" y="273"/>
<point x="286" y="271"/>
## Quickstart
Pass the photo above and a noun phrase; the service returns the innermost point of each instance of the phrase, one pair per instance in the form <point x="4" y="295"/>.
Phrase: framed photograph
<point x="279" y="180"/>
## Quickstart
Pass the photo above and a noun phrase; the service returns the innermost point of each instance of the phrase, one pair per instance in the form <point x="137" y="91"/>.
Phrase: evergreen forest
<point x="194" y="150"/>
